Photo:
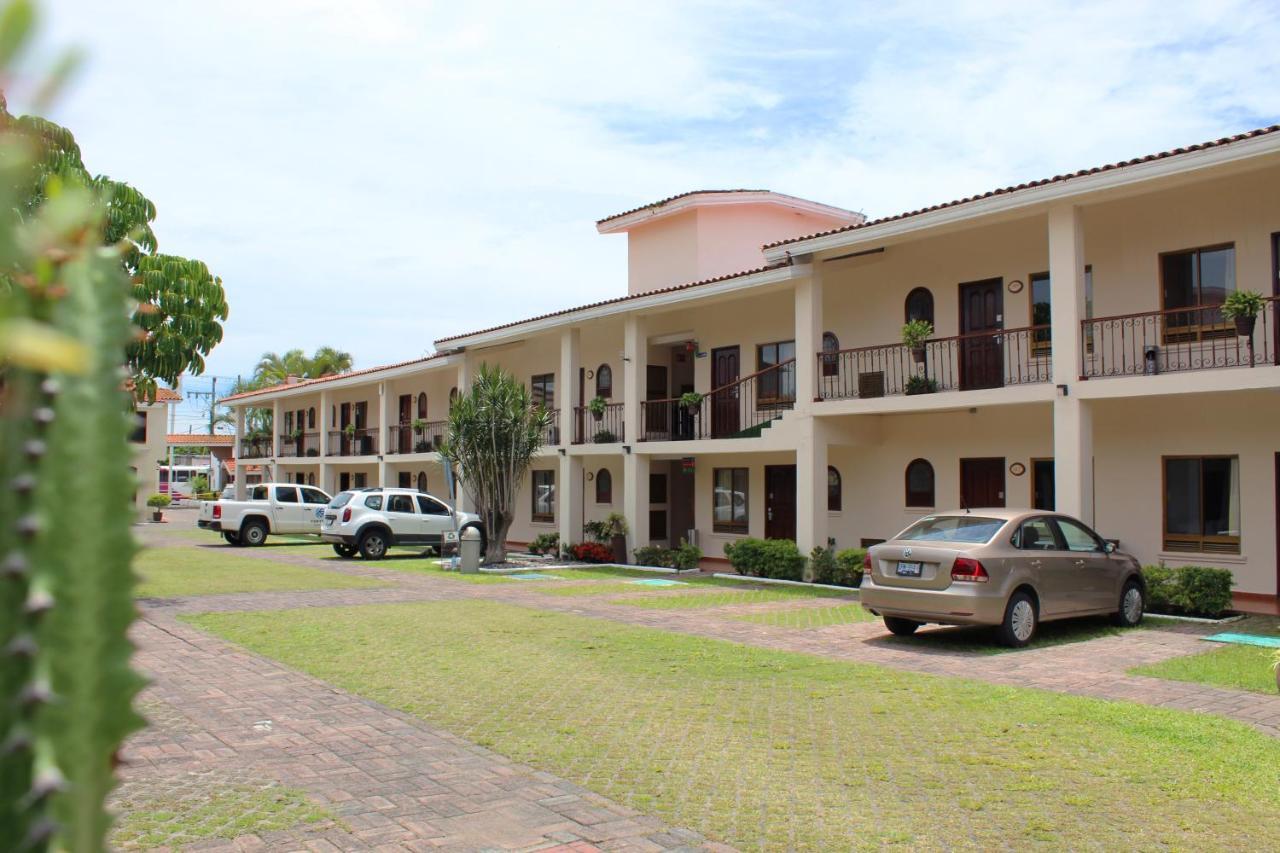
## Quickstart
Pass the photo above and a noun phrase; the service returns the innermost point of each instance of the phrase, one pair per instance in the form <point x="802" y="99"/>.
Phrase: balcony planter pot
<point x="917" y="354"/>
<point x="1245" y="325"/>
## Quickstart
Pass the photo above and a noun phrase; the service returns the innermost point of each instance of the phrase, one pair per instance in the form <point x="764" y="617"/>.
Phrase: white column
<point x="1066" y="291"/>
<point x="1073" y="457"/>
<point x="569" y="362"/>
<point x="569" y="499"/>
<point x="808" y="317"/>
<point x="239" y="484"/>
<point x="635" y="348"/>
<point x="276" y="426"/>
<point x="811" y="484"/>
<point x="325" y="426"/>
<point x="635" y="501"/>
<point x="384" y="432"/>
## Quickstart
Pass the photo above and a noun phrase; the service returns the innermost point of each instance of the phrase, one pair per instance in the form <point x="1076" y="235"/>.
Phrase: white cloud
<point x="375" y="175"/>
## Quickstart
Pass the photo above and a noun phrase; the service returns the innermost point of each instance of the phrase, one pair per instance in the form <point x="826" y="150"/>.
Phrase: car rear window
<point x="969" y="529"/>
<point x="340" y="500"/>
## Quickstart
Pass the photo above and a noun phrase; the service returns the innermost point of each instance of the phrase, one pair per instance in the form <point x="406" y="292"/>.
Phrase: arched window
<point x="422" y="406"/>
<point x="835" y="493"/>
<point x="830" y="361"/>
<point x="422" y="481"/>
<point x="311" y="418"/>
<point x="919" y="483"/>
<point x="604" y="486"/>
<point x="920" y="305"/>
<point x="604" y="381"/>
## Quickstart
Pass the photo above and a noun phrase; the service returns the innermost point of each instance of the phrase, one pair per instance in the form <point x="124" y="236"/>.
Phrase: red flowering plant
<point x="592" y="552"/>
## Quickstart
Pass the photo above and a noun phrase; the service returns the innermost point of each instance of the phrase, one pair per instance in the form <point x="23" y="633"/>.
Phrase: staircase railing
<point x="739" y="409"/>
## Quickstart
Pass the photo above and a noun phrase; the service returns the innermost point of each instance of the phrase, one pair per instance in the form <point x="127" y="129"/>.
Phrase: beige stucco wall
<point x="146" y="454"/>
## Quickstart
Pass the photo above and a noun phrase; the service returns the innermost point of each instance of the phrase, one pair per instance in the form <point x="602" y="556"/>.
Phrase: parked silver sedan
<point x="1008" y="568"/>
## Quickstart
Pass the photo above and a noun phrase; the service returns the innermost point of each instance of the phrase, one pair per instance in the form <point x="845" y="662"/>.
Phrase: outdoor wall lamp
<point x="626" y="448"/>
<point x="1064" y="390"/>
<point x="562" y="451"/>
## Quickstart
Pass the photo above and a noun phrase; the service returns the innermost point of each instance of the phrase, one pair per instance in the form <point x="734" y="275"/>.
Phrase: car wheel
<point x="1132" y="603"/>
<point x="344" y="551"/>
<point x="901" y="627"/>
<point x="484" y="542"/>
<point x="254" y="533"/>
<point x="1020" y="620"/>
<point x="373" y="545"/>
<point x="232" y="538"/>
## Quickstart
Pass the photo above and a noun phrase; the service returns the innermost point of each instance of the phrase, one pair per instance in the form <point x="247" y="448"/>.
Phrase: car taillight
<point x="346" y="515"/>
<point x="971" y="571"/>
<point x="217" y="511"/>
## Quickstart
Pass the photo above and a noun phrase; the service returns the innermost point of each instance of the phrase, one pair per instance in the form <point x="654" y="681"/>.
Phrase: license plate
<point x="909" y="570"/>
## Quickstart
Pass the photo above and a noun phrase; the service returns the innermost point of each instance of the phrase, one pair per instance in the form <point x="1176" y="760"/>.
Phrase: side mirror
<point x="1110" y="547"/>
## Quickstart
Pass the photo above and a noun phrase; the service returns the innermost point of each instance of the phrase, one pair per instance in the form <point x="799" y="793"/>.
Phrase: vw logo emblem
<point x="906" y="552"/>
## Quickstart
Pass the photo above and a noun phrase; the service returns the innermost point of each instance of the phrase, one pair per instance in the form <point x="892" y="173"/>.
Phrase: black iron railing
<point x="255" y="448"/>
<point x="1174" y="340"/>
<point x="958" y="363"/>
<point x="551" y="435"/>
<point x="606" y="428"/>
<point x="741" y="409"/>
<point x="425" y="438"/>
<point x="360" y="442"/>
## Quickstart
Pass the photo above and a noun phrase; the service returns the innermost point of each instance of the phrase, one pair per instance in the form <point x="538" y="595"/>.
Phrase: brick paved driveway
<point x="397" y="782"/>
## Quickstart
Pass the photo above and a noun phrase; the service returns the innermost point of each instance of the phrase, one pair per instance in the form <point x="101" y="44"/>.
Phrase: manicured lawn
<point x="811" y="617"/>
<point x="731" y="593"/>
<point x="775" y="750"/>
<point x="192" y="812"/>
<point x="169" y="572"/>
<point x="1237" y="667"/>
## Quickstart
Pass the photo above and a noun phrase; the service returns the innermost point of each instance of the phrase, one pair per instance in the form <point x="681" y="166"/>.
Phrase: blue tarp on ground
<point x="1245" y="640"/>
<point x="657" y="582"/>
<point x="534" y="576"/>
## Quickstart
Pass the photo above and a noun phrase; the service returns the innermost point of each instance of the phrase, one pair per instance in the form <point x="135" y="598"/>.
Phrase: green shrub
<point x="822" y="565"/>
<point x="545" y="543"/>
<point x="654" y="555"/>
<point x="1193" y="590"/>
<point x="159" y="501"/>
<point x="849" y="567"/>
<point x="686" y="556"/>
<point x="766" y="558"/>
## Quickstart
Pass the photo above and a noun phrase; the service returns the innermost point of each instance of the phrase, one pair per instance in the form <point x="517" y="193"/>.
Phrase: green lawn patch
<point x="731" y="592"/>
<point x="768" y="749"/>
<point x="811" y="617"/>
<point x="1237" y="667"/>
<point x="170" y="572"/>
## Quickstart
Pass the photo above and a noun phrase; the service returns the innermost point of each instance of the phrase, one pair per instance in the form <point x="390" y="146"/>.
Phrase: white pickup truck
<point x="271" y="508"/>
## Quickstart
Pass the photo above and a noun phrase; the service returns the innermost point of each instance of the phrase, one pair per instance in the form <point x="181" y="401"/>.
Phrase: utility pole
<point x="211" y="396"/>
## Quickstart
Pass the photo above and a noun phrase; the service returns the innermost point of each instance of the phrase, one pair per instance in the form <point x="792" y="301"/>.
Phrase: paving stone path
<point x="394" y="782"/>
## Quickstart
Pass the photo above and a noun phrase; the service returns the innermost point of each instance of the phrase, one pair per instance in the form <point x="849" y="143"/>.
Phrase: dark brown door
<point x="344" y="418"/>
<point x="981" y="348"/>
<point x="657" y="420"/>
<point x="981" y="483"/>
<point x="725" y="370"/>
<point x="405" y="442"/>
<point x="780" y="502"/>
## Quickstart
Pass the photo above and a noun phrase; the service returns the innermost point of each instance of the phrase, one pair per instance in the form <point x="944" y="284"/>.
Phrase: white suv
<point x="369" y="521"/>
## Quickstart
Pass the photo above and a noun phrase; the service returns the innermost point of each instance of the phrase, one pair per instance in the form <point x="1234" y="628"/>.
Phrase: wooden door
<point x="344" y="418"/>
<point x="982" y="483"/>
<point x="725" y="370"/>
<point x="982" y="349"/>
<point x="780" y="502"/>
<point x="404" y="442"/>
<point x="658" y="422"/>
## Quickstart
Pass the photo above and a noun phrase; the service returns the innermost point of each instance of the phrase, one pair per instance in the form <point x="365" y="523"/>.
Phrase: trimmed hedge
<point x="685" y="557"/>
<point x="1188" y="590"/>
<point x="838" y="568"/>
<point x="766" y="558"/>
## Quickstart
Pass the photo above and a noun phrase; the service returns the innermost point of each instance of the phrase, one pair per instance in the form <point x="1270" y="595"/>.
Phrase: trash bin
<point x="470" y="550"/>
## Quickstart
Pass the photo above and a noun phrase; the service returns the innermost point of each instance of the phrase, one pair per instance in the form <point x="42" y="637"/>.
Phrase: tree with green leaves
<point x="494" y="433"/>
<point x="274" y="368"/>
<point x="66" y="601"/>
<point x="180" y="304"/>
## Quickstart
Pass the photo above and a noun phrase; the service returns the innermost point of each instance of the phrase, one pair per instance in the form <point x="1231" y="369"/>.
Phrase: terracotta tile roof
<point x="669" y="199"/>
<point x="230" y="465"/>
<point x="615" y="300"/>
<point x="333" y="377"/>
<point x="1226" y="140"/>
<point x="199" y="439"/>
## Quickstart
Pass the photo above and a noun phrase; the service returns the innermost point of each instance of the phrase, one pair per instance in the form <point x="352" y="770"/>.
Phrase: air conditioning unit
<point x="691" y="536"/>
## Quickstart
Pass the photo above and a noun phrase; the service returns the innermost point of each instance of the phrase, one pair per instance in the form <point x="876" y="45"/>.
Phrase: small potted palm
<point x="615" y="528"/>
<point x="597" y="407"/>
<point x="914" y="335"/>
<point x="1243" y="306"/>
<point x="692" y="402"/>
<point x="158" y="502"/>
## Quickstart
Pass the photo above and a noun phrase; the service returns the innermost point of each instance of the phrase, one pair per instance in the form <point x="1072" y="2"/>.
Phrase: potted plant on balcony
<point x="158" y="502"/>
<point x="597" y="406"/>
<point x="918" y="383"/>
<point x="692" y="402"/>
<point x="420" y="444"/>
<point x="604" y="436"/>
<point x="1243" y="306"/>
<point x="914" y="335"/>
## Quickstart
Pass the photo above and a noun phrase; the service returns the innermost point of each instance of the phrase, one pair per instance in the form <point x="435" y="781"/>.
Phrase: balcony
<point x="360" y="442"/>
<point x="300" y="444"/>
<point x="958" y="363"/>
<point x="1174" y="340"/>
<point x="427" y="438"/>
<point x="551" y="435"/>
<point x="741" y="409"/>
<point x="255" y="448"/>
<point x="607" y="428"/>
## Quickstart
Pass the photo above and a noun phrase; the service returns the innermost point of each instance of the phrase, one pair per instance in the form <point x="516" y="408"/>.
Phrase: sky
<point x="373" y="175"/>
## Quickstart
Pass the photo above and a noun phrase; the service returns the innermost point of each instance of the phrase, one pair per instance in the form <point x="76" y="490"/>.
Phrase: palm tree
<point x="275" y="369"/>
<point x="494" y="433"/>
<point x="328" y="360"/>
